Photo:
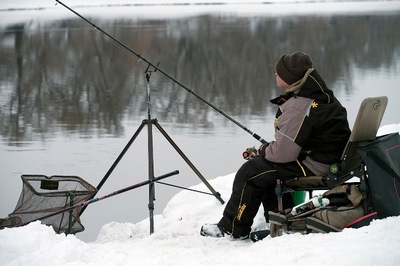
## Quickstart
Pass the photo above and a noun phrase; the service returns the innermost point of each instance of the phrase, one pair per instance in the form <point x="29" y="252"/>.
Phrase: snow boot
<point x="259" y="235"/>
<point x="211" y="230"/>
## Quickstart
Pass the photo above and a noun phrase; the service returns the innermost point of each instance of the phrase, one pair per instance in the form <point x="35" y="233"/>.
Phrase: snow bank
<point x="176" y="240"/>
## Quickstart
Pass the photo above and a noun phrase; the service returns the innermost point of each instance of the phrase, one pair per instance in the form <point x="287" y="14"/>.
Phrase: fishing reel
<point x="250" y="153"/>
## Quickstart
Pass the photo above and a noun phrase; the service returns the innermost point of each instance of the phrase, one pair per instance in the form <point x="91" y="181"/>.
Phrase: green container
<point x="298" y="197"/>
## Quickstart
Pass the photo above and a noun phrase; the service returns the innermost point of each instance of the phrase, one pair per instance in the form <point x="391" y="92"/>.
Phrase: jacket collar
<point x="310" y="86"/>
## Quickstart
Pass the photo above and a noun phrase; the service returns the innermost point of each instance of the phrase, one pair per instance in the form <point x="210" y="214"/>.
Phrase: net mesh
<point x="42" y="195"/>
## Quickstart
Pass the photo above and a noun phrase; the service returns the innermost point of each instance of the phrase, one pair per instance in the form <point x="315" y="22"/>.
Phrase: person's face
<point x="280" y="83"/>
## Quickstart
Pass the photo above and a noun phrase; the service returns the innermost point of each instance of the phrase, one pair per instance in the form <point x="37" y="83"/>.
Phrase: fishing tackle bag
<point x="345" y="209"/>
<point x="382" y="160"/>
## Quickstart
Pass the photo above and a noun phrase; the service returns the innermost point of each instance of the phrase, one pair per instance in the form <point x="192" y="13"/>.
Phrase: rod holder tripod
<point x="149" y="122"/>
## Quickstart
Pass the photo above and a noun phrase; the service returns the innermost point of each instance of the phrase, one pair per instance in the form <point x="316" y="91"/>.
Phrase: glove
<point x="261" y="149"/>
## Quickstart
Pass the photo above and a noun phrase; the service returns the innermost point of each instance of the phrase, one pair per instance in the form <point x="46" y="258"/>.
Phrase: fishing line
<point x="141" y="58"/>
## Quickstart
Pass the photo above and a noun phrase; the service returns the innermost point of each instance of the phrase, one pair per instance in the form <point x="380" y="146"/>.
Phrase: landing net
<point x="42" y="195"/>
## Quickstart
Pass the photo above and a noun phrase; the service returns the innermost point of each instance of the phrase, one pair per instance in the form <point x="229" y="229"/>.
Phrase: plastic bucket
<point x="298" y="197"/>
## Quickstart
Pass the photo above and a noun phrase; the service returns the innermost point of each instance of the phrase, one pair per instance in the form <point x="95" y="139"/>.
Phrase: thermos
<point x="314" y="202"/>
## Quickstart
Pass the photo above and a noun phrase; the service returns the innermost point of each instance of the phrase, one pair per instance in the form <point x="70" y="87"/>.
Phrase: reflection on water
<point x="70" y="98"/>
<point x="65" y="74"/>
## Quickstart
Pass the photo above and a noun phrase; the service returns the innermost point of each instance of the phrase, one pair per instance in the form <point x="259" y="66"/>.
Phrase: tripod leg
<point x="216" y="194"/>
<point x="117" y="161"/>
<point x="151" y="175"/>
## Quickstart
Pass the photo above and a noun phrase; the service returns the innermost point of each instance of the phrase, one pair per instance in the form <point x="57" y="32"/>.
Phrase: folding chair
<point x="365" y="128"/>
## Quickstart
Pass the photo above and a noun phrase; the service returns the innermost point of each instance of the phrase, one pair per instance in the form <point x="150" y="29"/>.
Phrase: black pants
<point x="254" y="184"/>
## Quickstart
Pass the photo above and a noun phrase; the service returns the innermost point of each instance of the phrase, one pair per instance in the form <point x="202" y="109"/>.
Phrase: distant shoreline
<point x="40" y="11"/>
<point x="42" y="5"/>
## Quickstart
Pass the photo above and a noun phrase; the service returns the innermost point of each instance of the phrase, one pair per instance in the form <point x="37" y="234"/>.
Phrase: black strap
<point x="384" y="165"/>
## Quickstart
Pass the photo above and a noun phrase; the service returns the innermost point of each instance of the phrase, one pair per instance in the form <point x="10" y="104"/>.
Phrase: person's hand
<point x="261" y="149"/>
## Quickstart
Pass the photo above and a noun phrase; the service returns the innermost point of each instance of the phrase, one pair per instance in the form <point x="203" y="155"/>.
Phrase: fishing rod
<point x="156" y="67"/>
<point x="85" y="203"/>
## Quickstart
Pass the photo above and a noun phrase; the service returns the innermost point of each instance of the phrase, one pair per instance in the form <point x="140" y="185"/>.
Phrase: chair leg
<point x="279" y="194"/>
<point x="364" y="189"/>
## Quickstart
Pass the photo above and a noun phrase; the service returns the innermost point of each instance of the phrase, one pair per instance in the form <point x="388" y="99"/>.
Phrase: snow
<point x="176" y="240"/>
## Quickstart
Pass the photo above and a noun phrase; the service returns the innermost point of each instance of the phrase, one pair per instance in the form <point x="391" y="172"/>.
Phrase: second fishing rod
<point x="156" y="67"/>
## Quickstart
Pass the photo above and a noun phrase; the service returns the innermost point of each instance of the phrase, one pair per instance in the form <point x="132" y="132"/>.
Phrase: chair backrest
<point x="365" y="128"/>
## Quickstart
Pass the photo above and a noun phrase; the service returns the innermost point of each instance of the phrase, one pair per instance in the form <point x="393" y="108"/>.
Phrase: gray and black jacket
<point x="311" y="126"/>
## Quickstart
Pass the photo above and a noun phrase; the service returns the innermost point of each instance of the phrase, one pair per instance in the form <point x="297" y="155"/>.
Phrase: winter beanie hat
<point x="292" y="67"/>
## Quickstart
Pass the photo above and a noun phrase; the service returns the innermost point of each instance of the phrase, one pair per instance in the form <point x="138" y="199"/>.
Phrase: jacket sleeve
<point x="288" y="125"/>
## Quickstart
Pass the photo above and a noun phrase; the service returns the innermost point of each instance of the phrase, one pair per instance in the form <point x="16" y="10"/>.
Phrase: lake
<point x="71" y="98"/>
